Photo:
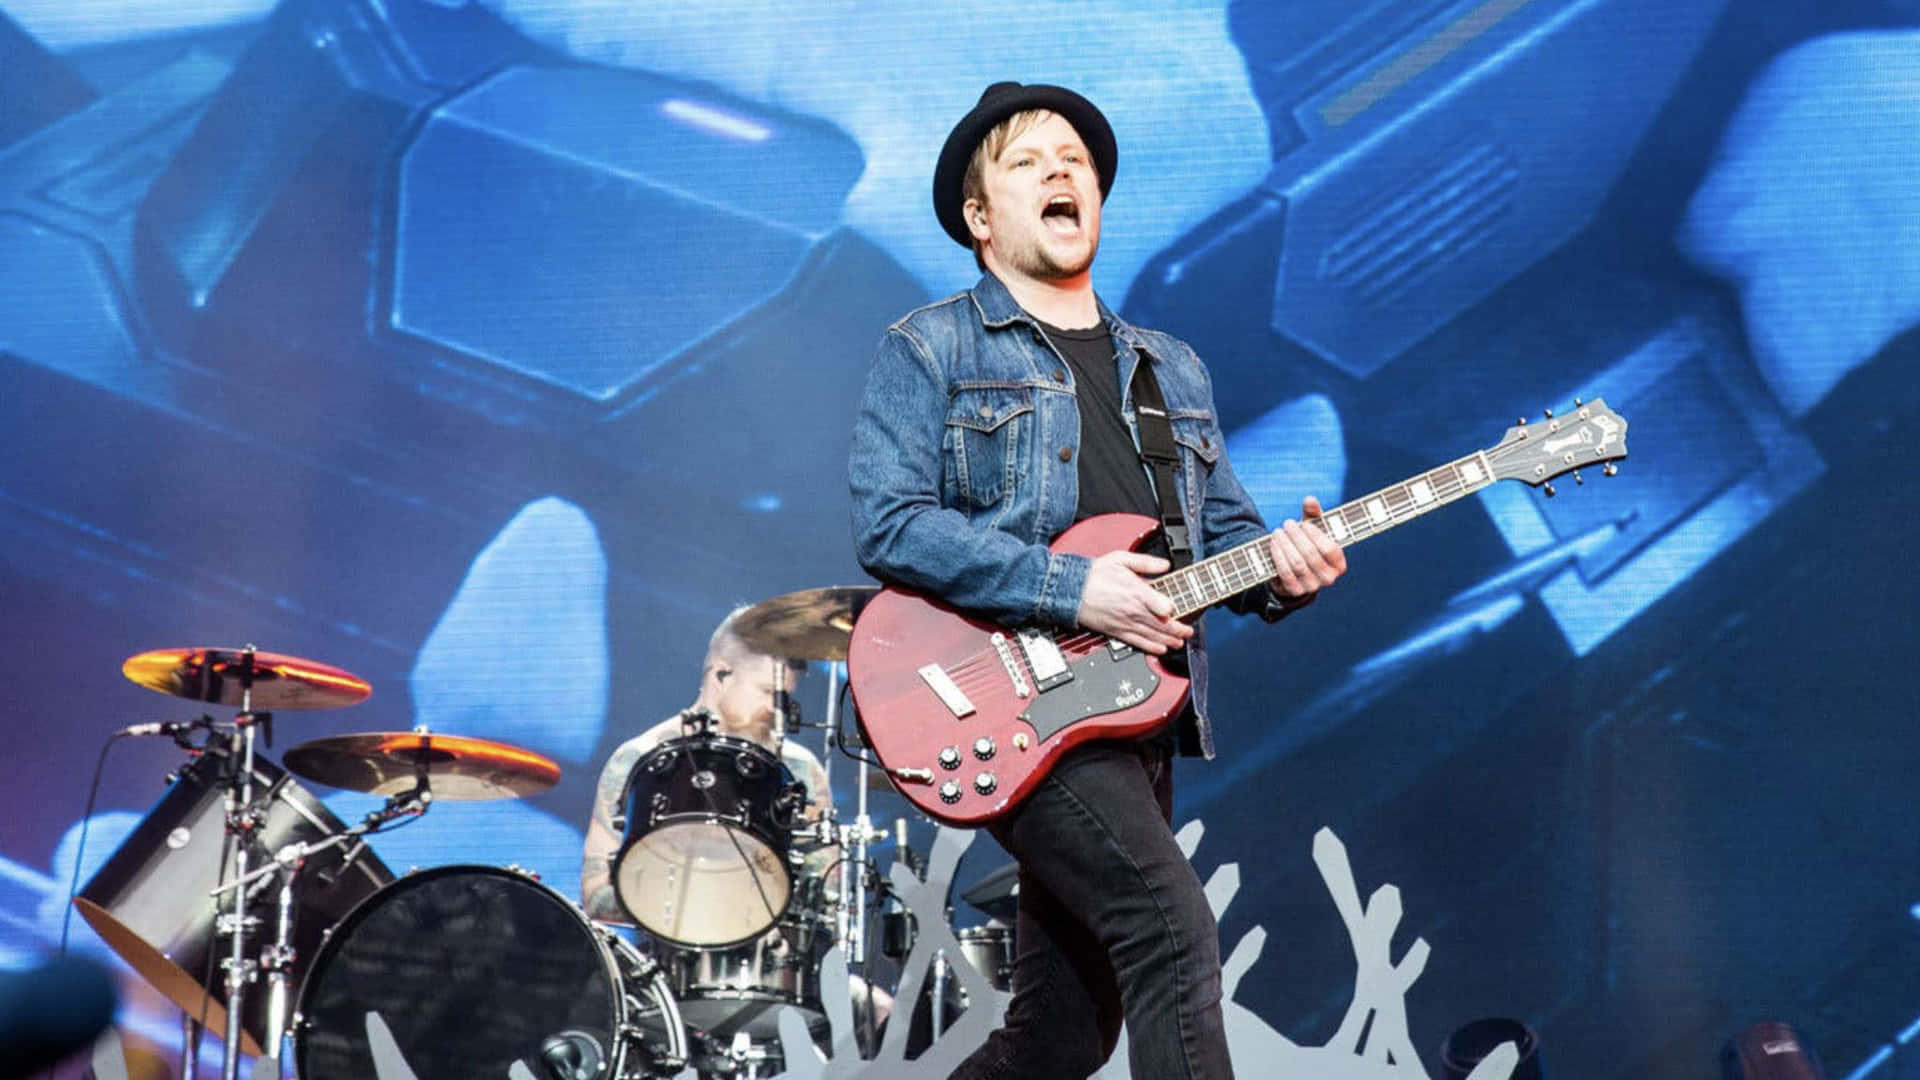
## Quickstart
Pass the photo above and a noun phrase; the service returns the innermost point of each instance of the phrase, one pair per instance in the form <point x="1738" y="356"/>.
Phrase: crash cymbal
<point x="222" y="675"/>
<point x="457" y="767"/>
<point x="812" y="624"/>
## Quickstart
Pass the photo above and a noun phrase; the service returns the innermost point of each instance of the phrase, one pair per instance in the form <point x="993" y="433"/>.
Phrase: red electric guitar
<point x="968" y="715"/>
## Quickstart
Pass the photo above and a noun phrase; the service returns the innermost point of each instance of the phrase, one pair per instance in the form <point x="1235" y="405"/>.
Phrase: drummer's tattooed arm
<point x="603" y="839"/>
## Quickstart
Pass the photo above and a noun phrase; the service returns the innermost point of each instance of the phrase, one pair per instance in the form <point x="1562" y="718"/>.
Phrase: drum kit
<point x="266" y="919"/>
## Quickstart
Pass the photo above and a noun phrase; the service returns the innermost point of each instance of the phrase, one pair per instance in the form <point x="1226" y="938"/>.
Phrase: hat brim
<point x="999" y="102"/>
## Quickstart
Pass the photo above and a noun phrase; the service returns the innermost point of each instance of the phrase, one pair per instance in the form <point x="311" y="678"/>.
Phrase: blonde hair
<point x="973" y="186"/>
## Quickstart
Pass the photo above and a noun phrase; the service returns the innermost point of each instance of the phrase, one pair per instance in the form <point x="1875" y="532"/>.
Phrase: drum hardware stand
<point x="744" y="1053"/>
<point x="190" y="1030"/>
<point x="243" y="817"/>
<point x="942" y="972"/>
<point x="276" y="961"/>
<point x="850" y="920"/>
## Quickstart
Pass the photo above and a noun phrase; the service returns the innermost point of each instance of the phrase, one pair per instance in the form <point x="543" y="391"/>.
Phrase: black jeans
<point x="1113" y="923"/>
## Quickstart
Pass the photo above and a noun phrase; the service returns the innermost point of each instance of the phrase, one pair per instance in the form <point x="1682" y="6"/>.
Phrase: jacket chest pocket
<point x="1197" y="434"/>
<point x="987" y="430"/>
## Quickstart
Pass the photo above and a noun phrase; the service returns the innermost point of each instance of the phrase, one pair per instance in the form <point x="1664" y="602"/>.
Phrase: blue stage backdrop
<point x="493" y="351"/>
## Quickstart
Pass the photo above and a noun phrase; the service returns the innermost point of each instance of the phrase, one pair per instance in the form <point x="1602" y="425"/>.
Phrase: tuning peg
<point x="1523" y="421"/>
<point x="1577" y="481"/>
<point x="1549" y="413"/>
<point x="1548" y="488"/>
<point x="1577" y="403"/>
<point x="1610" y="469"/>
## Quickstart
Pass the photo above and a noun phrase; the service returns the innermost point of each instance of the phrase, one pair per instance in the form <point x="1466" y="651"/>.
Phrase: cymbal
<point x="220" y="676"/>
<point x="457" y="767"/>
<point x="812" y="624"/>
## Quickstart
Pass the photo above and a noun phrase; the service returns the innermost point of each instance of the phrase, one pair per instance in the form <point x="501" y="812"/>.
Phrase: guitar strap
<point x="1161" y="456"/>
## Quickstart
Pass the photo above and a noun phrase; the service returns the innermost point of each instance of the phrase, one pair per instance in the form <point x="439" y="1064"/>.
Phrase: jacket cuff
<point x="1262" y="601"/>
<point x="1060" y="592"/>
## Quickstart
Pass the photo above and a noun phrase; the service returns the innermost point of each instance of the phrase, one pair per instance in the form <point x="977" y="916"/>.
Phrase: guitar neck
<point x="1216" y="578"/>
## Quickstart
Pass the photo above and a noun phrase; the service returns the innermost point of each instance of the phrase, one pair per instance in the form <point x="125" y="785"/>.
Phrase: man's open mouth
<point x="1061" y="214"/>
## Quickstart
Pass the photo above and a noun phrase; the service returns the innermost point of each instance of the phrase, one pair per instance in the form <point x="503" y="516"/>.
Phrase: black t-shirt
<point x="1112" y="477"/>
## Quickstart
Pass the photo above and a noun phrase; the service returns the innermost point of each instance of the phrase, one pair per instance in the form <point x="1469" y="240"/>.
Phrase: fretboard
<point x="1234" y="571"/>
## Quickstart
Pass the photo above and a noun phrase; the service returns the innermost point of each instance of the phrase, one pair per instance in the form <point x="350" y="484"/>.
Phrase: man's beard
<point x="1035" y="261"/>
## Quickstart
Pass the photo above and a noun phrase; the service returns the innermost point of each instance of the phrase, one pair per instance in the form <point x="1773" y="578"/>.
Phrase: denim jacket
<point x="963" y="466"/>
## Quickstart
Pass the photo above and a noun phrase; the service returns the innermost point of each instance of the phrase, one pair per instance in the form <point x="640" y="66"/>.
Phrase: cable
<point x="840" y="734"/>
<point x="80" y="848"/>
<point x="753" y="871"/>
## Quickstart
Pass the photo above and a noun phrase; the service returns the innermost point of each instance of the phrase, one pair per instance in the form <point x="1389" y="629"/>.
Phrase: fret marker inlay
<point x="1422" y="492"/>
<point x="1376" y="510"/>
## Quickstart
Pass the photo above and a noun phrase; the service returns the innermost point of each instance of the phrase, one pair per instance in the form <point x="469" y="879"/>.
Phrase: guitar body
<point x="976" y="713"/>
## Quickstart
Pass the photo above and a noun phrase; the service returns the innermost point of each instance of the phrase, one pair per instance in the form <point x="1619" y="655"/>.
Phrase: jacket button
<point x="1059" y="374"/>
<point x="986" y="412"/>
<point x="1206" y="443"/>
<point x="1066" y="453"/>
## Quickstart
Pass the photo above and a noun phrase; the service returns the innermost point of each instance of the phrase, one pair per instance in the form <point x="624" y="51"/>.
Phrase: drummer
<point x="737" y="691"/>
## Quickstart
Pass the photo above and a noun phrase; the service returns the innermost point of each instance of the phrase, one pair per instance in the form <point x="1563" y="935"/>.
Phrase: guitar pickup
<point x="1049" y="667"/>
<point x="949" y="693"/>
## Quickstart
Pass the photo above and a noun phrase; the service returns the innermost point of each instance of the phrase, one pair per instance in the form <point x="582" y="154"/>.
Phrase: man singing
<point x="992" y="421"/>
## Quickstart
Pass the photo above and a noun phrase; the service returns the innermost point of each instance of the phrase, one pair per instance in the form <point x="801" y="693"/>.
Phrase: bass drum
<point x="474" y="971"/>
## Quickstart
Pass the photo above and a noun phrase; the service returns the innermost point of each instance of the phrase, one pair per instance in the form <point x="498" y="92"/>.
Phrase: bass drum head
<point x="469" y="970"/>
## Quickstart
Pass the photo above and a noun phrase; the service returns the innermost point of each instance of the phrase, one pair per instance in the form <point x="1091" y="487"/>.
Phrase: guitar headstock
<point x="1591" y="434"/>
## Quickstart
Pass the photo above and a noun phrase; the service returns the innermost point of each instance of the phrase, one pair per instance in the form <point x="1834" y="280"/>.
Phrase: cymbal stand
<point x="277" y="959"/>
<point x="854" y="838"/>
<point x="243" y="817"/>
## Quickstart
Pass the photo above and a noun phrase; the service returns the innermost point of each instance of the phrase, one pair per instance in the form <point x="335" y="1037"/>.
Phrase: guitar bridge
<point x="1007" y="660"/>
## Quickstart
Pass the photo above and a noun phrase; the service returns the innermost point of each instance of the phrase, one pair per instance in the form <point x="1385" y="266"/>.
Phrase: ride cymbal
<point x="222" y="676"/>
<point x="455" y="767"/>
<point x="812" y="624"/>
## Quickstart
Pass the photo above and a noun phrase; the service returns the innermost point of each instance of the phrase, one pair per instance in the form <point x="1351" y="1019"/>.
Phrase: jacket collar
<point x="999" y="310"/>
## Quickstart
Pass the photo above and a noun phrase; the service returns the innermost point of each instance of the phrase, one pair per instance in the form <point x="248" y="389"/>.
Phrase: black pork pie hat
<point x="998" y="102"/>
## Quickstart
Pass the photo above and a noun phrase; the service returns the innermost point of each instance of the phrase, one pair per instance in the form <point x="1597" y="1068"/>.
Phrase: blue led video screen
<point x="494" y="351"/>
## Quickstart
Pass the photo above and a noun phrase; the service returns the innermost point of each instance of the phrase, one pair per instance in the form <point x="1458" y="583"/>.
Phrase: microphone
<point x="161" y="727"/>
<point x="786" y="709"/>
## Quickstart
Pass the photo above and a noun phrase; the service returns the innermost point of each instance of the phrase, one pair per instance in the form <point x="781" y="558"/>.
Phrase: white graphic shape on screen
<point x="1372" y="1042"/>
<point x="898" y="75"/>
<point x="521" y="652"/>
<point x="1812" y="209"/>
<point x="388" y="1062"/>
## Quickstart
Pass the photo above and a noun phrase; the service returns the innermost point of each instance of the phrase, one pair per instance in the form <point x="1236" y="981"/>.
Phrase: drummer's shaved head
<point x="726" y="649"/>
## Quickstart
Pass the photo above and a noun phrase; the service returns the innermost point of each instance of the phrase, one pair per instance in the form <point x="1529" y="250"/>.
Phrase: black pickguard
<point x="1094" y="690"/>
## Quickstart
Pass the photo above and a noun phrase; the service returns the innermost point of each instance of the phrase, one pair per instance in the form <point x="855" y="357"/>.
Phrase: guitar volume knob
<point x="983" y="747"/>
<point x="949" y="792"/>
<point x="950" y="757"/>
<point x="984" y="783"/>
